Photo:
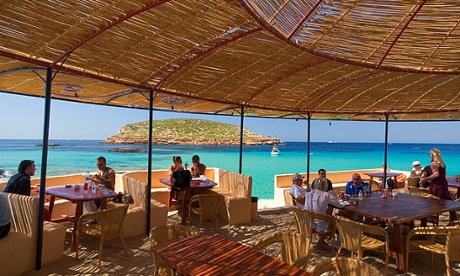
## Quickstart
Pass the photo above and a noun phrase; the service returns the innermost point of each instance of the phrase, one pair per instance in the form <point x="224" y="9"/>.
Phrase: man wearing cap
<point x="20" y="182"/>
<point x="416" y="170"/>
<point x="297" y="191"/>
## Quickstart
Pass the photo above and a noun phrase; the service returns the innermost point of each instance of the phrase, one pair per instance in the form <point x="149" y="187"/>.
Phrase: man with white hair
<point x="416" y="171"/>
<point x="297" y="191"/>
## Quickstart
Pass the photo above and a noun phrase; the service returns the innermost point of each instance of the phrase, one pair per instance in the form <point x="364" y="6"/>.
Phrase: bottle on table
<point x="87" y="181"/>
<point x="360" y="195"/>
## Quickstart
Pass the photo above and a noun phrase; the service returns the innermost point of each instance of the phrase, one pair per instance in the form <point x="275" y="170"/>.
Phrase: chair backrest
<point x="288" y="198"/>
<point x="413" y="181"/>
<point x="351" y="233"/>
<point x="304" y="220"/>
<point x="209" y="204"/>
<point x="24" y="213"/>
<point x="167" y="233"/>
<point x="344" y="266"/>
<point x="295" y="247"/>
<point x="452" y="241"/>
<point x="112" y="221"/>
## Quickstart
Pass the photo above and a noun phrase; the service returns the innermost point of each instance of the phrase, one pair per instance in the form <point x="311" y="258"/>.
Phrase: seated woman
<point x="176" y="165"/>
<point x="318" y="200"/>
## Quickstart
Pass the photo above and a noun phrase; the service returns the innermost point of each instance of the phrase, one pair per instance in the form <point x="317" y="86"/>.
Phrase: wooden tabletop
<point x="380" y="174"/>
<point x="213" y="254"/>
<point x="402" y="208"/>
<point x="194" y="183"/>
<point x="77" y="193"/>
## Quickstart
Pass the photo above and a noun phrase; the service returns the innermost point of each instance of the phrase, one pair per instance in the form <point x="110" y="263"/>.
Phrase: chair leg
<point x="447" y="265"/>
<point x="101" y="245"/>
<point x="123" y="244"/>
<point x="386" y="263"/>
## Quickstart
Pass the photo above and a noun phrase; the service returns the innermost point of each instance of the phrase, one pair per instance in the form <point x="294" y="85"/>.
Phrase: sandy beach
<point x="140" y="261"/>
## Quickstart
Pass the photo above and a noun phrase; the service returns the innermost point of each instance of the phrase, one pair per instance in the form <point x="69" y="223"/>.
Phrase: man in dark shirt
<point x="322" y="174"/>
<point x="20" y="182"/>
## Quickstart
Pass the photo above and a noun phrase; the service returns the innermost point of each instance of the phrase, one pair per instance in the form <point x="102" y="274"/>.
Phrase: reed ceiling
<point x="351" y="60"/>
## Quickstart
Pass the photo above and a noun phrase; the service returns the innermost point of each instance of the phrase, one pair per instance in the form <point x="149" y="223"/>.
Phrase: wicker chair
<point x="207" y="207"/>
<point x="344" y="266"/>
<point x="289" y="200"/>
<point x="106" y="224"/>
<point x="295" y="248"/>
<point x="354" y="237"/>
<point x="304" y="220"/>
<point x="449" y="249"/>
<point x="164" y="234"/>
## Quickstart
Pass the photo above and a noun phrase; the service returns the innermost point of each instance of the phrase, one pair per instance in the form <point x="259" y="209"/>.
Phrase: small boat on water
<point x="275" y="150"/>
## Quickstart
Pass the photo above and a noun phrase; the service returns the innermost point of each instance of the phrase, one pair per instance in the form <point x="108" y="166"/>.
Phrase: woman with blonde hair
<point x="438" y="181"/>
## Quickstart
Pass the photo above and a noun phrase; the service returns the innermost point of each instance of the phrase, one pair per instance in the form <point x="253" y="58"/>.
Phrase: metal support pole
<point x="46" y="128"/>
<point x="149" y="169"/>
<point x="385" y="157"/>
<point x="241" y="139"/>
<point x="308" y="148"/>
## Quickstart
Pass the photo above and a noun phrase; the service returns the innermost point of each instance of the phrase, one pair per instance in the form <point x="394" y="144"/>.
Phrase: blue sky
<point x="22" y="118"/>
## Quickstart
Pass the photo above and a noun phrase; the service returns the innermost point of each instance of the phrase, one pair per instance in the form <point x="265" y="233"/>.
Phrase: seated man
<point x="197" y="168"/>
<point x="321" y="175"/>
<point x="105" y="175"/>
<point x="356" y="185"/>
<point x="318" y="200"/>
<point x="297" y="191"/>
<point x="5" y="216"/>
<point x="20" y="182"/>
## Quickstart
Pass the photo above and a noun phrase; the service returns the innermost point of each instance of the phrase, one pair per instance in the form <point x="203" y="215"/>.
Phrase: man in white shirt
<point x="297" y="191"/>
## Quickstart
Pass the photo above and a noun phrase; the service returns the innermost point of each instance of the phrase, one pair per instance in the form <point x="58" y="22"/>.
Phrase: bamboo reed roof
<point x="352" y="60"/>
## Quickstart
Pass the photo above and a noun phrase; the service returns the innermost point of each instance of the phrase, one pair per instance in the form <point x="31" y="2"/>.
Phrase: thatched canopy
<point x="355" y="60"/>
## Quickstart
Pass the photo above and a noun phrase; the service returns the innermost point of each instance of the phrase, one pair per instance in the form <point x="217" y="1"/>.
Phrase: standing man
<point x="20" y="182"/>
<point x="356" y="185"/>
<point x="297" y="191"/>
<point x="321" y="175"/>
<point x="105" y="176"/>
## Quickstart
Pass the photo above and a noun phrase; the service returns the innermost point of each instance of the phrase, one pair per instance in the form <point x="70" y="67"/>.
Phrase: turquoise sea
<point x="79" y="156"/>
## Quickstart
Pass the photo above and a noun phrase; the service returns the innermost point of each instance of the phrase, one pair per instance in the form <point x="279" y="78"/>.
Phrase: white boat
<point x="275" y="150"/>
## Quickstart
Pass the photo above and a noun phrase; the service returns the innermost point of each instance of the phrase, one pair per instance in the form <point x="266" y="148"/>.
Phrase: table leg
<point x="51" y="207"/>
<point x="185" y="203"/>
<point x="398" y="248"/>
<point x="78" y="213"/>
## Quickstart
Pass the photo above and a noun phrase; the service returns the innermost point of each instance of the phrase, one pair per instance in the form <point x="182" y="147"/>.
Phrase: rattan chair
<point x="107" y="224"/>
<point x="206" y="206"/>
<point x="344" y="266"/>
<point x="295" y="248"/>
<point x="164" y="234"/>
<point x="305" y="219"/>
<point x="354" y="236"/>
<point x="428" y="243"/>
<point x="289" y="200"/>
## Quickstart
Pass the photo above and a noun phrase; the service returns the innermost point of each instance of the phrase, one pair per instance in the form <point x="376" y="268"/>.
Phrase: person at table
<point x="318" y="200"/>
<point x="5" y="216"/>
<point x="437" y="179"/>
<point x="297" y="191"/>
<point x="176" y="165"/>
<point x="322" y="175"/>
<point x="20" y="182"/>
<point x="197" y="168"/>
<point x="356" y="185"/>
<point x="105" y="175"/>
<point x="416" y="171"/>
<point x="425" y="173"/>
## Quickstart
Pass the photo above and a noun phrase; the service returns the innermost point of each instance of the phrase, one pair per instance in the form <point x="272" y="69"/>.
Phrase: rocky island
<point x="189" y="132"/>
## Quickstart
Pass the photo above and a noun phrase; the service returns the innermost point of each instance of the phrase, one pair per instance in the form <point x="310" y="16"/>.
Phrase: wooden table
<point x="379" y="174"/>
<point x="78" y="196"/>
<point x="215" y="255"/>
<point x="398" y="210"/>
<point x="452" y="181"/>
<point x="197" y="186"/>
